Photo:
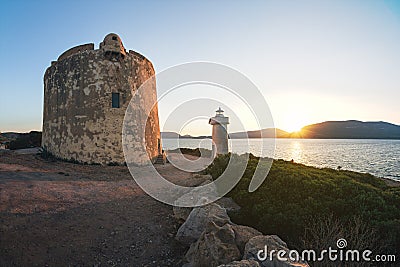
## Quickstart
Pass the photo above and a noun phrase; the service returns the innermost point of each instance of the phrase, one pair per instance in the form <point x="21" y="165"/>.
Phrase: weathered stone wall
<point x="79" y="122"/>
<point x="76" y="49"/>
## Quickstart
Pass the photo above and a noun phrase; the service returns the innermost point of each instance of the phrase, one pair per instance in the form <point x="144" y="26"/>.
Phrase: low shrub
<point x="293" y="195"/>
<point x="198" y="152"/>
<point x="26" y="140"/>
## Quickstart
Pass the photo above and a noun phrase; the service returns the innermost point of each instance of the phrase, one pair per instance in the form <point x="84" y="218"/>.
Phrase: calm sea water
<point x="378" y="157"/>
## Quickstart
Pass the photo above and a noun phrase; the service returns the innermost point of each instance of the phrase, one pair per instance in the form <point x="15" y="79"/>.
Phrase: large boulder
<point x="243" y="234"/>
<point x="271" y="242"/>
<point x="215" y="246"/>
<point x="229" y="204"/>
<point x="242" y="263"/>
<point x="181" y="213"/>
<point x="197" y="221"/>
<point x="198" y="195"/>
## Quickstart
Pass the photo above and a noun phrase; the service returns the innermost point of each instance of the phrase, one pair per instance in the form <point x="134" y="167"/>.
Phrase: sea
<point x="378" y="157"/>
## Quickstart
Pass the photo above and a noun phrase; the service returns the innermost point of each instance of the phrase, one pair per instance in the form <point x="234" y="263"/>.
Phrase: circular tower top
<point x="219" y="112"/>
<point x="113" y="43"/>
<point x="219" y="118"/>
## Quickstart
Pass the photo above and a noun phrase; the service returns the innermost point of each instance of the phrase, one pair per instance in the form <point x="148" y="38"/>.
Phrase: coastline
<point x="390" y="182"/>
<point x="377" y="157"/>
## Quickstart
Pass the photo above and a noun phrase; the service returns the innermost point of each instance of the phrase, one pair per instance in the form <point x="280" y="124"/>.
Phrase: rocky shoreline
<point x="214" y="240"/>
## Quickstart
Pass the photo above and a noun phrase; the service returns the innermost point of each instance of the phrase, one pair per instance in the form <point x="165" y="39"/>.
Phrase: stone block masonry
<point x="86" y="94"/>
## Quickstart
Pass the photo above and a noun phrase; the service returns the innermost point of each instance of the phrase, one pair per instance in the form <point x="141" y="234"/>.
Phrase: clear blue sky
<point x="313" y="60"/>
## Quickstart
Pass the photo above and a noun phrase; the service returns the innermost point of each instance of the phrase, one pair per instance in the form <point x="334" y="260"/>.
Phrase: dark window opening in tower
<point x="115" y="100"/>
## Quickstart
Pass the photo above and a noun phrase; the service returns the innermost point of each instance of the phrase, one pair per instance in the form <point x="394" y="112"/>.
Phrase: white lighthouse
<point x="219" y="132"/>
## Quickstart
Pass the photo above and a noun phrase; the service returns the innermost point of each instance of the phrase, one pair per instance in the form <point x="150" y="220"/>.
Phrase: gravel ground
<point x="55" y="213"/>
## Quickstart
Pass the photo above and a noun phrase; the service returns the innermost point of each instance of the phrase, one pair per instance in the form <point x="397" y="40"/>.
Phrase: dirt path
<point x="55" y="213"/>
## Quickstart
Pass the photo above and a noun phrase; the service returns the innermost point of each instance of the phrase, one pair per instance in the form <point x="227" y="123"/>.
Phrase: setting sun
<point x="294" y="128"/>
<point x="294" y="122"/>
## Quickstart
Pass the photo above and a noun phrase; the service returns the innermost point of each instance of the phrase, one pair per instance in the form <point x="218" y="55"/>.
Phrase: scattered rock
<point x="207" y="179"/>
<point x="198" y="195"/>
<point x="214" y="240"/>
<point x="215" y="246"/>
<point x="197" y="179"/>
<point x="272" y="242"/>
<point x="229" y="204"/>
<point x="242" y="263"/>
<point x="243" y="234"/>
<point x="181" y="213"/>
<point x="197" y="221"/>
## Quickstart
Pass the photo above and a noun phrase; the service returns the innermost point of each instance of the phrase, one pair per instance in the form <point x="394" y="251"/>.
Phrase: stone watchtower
<point x="86" y="93"/>
<point x="220" y="132"/>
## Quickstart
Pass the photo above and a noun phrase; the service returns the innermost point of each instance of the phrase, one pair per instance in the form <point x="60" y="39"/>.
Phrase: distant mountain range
<point x="264" y="133"/>
<point x="174" y="135"/>
<point x="351" y="129"/>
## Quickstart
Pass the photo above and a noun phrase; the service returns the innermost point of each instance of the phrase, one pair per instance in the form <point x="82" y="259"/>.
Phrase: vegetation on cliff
<point x="308" y="206"/>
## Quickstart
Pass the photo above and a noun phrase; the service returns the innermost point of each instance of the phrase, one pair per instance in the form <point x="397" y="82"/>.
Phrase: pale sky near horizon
<point x="312" y="60"/>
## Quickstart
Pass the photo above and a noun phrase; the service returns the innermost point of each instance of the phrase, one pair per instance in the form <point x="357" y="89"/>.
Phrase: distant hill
<point x="169" y="135"/>
<point x="174" y="135"/>
<point x="13" y="140"/>
<point x="351" y="129"/>
<point x="264" y="133"/>
<point x="10" y="135"/>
